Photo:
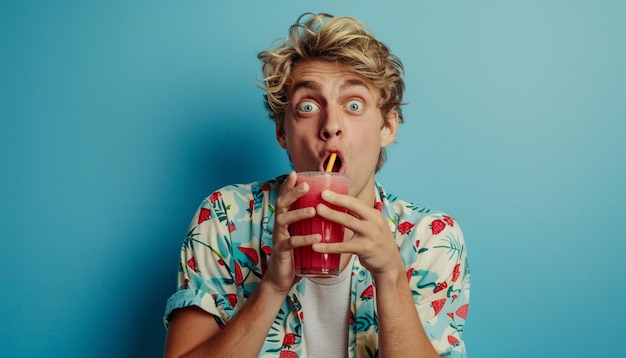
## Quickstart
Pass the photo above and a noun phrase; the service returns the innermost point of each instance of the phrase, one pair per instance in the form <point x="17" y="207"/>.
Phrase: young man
<point x="403" y="291"/>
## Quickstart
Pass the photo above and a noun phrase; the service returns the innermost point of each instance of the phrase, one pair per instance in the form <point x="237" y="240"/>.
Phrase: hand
<point x="281" y="271"/>
<point x="372" y="240"/>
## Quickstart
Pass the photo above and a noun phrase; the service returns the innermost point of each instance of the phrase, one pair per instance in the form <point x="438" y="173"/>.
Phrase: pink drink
<point x="307" y="261"/>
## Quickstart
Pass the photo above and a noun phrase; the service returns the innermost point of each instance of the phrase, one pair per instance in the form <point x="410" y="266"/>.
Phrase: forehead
<point x="323" y="76"/>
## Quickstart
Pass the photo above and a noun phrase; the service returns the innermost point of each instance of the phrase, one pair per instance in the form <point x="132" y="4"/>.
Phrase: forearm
<point x="245" y="334"/>
<point x="401" y="333"/>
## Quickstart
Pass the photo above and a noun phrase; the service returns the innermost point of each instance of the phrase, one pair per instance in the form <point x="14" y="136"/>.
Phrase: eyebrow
<point x="308" y="85"/>
<point x="353" y="83"/>
<point x="318" y="87"/>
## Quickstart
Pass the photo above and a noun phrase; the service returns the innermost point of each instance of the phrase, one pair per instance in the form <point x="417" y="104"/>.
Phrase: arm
<point x="401" y="333"/>
<point x="193" y="332"/>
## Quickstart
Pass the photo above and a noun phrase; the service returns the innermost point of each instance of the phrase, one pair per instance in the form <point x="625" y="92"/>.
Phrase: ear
<point x="390" y="128"/>
<point x="280" y="136"/>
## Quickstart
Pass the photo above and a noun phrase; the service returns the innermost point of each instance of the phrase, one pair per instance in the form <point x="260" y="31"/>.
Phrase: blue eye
<point x="307" y="107"/>
<point x="355" y="106"/>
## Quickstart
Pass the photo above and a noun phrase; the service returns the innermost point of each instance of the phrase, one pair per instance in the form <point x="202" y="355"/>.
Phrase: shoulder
<point x="406" y="215"/>
<point x="235" y="192"/>
<point x="424" y="226"/>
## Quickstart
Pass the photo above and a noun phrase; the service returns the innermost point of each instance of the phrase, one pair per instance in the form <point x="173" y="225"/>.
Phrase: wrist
<point x="392" y="274"/>
<point x="270" y="288"/>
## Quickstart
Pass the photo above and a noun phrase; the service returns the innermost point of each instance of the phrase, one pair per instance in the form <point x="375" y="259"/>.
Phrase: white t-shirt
<point x="326" y="309"/>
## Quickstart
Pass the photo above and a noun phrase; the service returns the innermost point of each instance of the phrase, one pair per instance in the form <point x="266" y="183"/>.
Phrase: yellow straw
<point x="331" y="162"/>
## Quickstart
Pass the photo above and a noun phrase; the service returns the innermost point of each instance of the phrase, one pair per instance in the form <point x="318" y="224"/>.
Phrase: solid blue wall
<point x="118" y="117"/>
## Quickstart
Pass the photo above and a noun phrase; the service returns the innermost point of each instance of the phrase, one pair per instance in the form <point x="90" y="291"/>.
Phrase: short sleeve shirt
<point x="229" y="243"/>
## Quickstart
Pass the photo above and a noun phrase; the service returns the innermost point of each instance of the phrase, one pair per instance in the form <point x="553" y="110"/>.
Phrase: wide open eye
<point x="307" y="107"/>
<point x="355" y="106"/>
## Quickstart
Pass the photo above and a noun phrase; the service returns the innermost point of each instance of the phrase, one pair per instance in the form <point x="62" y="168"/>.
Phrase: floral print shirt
<point x="229" y="244"/>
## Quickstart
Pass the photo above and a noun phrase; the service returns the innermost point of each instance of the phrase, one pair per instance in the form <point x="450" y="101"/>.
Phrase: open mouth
<point x="335" y="162"/>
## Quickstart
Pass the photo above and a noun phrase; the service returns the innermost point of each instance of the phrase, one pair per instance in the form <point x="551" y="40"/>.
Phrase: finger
<point x="358" y="225"/>
<point x="304" y="240"/>
<point x="354" y="205"/>
<point x="290" y="192"/>
<point x="289" y="183"/>
<point x="353" y="247"/>
<point x="289" y="217"/>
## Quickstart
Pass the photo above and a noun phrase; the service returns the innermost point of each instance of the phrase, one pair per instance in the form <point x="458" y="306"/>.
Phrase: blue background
<point x="118" y="117"/>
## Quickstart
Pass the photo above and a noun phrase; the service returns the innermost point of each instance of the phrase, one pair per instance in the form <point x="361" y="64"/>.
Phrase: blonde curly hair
<point x="342" y="39"/>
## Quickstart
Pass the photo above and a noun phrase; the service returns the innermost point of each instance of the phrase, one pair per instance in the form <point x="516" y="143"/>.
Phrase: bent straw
<point x="331" y="162"/>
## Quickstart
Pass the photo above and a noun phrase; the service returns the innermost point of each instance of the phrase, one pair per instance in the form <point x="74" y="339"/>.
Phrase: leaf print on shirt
<point x="458" y="328"/>
<point x="417" y="247"/>
<point x="257" y="197"/>
<point x="454" y="246"/>
<point x="224" y="302"/>
<point x="221" y="254"/>
<point x="418" y="208"/>
<point x="218" y="206"/>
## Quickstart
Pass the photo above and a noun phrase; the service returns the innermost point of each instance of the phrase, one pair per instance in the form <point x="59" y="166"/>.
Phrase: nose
<point x="332" y="125"/>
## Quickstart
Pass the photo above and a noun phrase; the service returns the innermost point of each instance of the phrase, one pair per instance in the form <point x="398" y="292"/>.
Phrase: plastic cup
<point x="308" y="262"/>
